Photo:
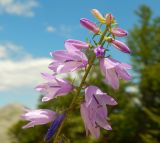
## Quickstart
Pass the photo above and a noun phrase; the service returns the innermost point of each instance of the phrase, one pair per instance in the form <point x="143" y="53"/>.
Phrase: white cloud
<point x="24" y="72"/>
<point x="66" y="30"/>
<point x="62" y="30"/>
<point x="50" y="29"/>
<point x="8" y="50"/>
<point x="18" y="7"/>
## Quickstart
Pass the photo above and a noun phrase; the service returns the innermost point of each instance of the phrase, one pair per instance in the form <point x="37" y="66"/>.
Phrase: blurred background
<point x="30" y="29"/>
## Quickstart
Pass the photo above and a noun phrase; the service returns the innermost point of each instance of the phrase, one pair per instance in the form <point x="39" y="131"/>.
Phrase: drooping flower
<point x="38" y="117"/>
<point x="74" y="45"/>
<point x="119" y="32"/>
<point x="89" y="25"/>
<point x="94" y="111"/>
<point x="54" y="87"/>
<point x="98" y="15"/>
<point x="67" y="61"/>
<point x="120" y="46"/>
<point x="53" y="128"/>
<point x="114" y="70"/>
<point x="109" y="19"/>
<point x="99" y="51"/>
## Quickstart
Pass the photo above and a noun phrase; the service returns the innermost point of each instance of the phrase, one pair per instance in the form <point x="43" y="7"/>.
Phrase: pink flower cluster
<point x="94" y="107"/>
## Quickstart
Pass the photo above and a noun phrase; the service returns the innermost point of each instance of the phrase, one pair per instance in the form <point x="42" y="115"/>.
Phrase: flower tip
<point x="38" y="88"/>
<point x="127" y="50"/>
<point x="115" y="102"/>
<point x="93" y="10"/>
<point x="82" y="20"/>
<point x="24" y="127"/>
<point x="109" y="127"/>
<point x="109" y="19"/>
<point x="51" y="54"/>
<point x="45" y="99"/>
<point x="126" y="33"/>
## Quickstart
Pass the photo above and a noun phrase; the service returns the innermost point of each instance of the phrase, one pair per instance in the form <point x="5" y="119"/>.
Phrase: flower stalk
<point x="80" y="87"/>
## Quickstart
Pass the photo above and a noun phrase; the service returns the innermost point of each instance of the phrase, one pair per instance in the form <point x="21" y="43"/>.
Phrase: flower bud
<point x="119" y="32"/>
<point x="98" y="15"/>
<point x="89" y="25"/>
<point x="109" y="19"/>
<point x="120" y="46"/>
<point x="54" y="126"/>
<point x="99" y="51"/>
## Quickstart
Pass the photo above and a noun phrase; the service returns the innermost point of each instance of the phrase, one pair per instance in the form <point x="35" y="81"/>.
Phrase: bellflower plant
<point x="79" y="55"/>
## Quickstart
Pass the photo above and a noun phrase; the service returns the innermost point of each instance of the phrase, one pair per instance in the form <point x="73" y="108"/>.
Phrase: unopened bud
<point x="98" y="15"/>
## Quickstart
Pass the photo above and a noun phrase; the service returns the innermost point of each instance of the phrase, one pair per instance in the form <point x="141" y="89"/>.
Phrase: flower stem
<point x="103" y="35"/>
<point x="80" y="86"/>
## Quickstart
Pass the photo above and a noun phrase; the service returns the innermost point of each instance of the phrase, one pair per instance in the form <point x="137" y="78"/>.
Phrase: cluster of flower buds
<point x="94" y="106"/>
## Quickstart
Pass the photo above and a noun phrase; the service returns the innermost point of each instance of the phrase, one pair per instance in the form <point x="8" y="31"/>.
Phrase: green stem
<point x="80" y="87"/>
<point x="103" y="35"/>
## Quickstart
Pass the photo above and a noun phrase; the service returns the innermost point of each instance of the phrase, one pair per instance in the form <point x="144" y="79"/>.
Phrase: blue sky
<point x="30" y="29"/>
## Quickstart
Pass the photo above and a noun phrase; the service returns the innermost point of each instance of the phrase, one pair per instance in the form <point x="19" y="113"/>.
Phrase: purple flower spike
<point x="38" y="117"/>
<point x="74" y="45"/>
<point x="53" y="128"/>
<point x="89" y="25"/>
<point x="94" y="111"/>
<point x="113" y="71"/>
<point x="54" y="87"/>
<point x="119" y="32"/>
<point x="67" y="61"/>
<point x="120" y="46"/>
<point x="99" y="51"/>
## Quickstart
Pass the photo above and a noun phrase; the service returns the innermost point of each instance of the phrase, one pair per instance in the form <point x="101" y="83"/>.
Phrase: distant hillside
<point x="9" y="115"/>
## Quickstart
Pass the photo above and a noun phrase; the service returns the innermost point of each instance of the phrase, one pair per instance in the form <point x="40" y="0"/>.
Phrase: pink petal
<point x="72" y="45"/>
<point x="101" y="118"/>
<point x="112" y="78"/>
<point x="89" y="127"/>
